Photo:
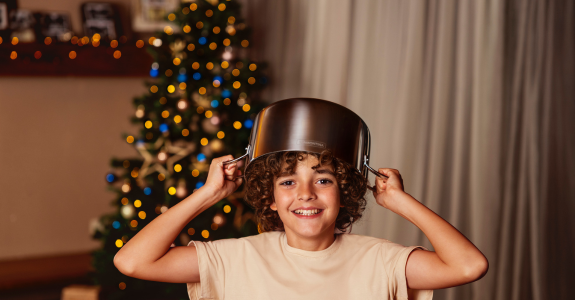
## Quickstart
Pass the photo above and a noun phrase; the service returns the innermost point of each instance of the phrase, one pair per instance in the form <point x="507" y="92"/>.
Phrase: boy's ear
<point x="273" y="206"/>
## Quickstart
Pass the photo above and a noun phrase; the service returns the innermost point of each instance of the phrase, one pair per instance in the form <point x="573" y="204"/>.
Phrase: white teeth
<point x="307" y="212"/>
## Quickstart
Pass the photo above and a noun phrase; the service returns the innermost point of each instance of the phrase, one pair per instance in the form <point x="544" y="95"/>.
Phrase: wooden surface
<point x="44" y="270"/>
<point x="89" y="61"/>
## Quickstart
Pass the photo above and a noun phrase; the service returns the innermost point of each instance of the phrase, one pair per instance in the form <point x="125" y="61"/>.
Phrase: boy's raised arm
<point x="456" y="260"/>
<point x="148" y="254"/>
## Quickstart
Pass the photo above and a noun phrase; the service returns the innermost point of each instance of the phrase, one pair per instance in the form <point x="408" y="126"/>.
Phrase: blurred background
<point x="106" y="122"/>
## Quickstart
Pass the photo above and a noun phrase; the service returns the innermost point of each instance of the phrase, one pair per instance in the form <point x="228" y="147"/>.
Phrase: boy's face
<point x="308" y="200"/>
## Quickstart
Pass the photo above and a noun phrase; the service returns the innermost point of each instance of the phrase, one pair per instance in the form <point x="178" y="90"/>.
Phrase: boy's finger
<point x="238" y="182"/>
<point x="220" y="160"/>
<point x="381" y="179"/>
<point x="230" y="169"/>
<point x="389" y="172"/>
<point x="384" y="171"/>
<point x="381" y="185"/>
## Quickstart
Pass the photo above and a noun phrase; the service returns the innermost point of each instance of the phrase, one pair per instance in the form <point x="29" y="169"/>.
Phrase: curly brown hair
<point x="262" y="172"/>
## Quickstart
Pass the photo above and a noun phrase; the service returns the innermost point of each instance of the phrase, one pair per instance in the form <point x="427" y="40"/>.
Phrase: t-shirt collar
<point x="327" y="251"/>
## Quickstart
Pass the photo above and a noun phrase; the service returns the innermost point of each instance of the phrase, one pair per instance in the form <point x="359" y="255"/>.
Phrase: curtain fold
<point x="471" y="100"/>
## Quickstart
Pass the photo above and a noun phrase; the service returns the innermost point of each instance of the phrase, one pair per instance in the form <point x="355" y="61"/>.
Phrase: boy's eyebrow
<point x="284" y="174"/>
<point x="323" y="171"/>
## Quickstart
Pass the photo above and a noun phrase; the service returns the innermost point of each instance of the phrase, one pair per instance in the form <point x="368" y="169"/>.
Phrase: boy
<point x="300" y="199"/>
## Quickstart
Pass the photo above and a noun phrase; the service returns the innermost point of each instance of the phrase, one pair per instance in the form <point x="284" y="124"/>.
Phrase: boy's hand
<point x="222" y="179"/>
<point x="389" y="192"/>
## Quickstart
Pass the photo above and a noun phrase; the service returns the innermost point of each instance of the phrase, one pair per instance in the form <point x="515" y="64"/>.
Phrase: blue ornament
<point x="182" y="77"/>
<point x="202" y="41"/>
<point x="215" y="103"/>
<point x="147" y="191"/>
<point x="248" y="123"/>
<point x="154" y="73"/>
<point x="197" y="76"/>
<point x="199" y="184"/>
<point x="226" y="93"/>
<point x="140" y="143"/>
<point x="110" y="177"/>
<point x="201" y="157"/>
<point x="163" y="128"/>
<point x="116" y="224"/>
<point x="218" y="78"/>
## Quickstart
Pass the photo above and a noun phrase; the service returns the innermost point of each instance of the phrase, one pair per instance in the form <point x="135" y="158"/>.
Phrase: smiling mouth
<point x="307" y="212"/>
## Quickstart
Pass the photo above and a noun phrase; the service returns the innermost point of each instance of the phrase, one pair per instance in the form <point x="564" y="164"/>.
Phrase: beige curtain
<point x="473" y="101"/>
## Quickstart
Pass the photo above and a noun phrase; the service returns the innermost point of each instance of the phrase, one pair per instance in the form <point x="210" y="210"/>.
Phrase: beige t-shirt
<point x="264" y="266"/>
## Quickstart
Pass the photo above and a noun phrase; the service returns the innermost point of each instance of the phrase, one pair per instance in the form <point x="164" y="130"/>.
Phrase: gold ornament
<point x="179" y="151"/>
<point x="177" y="48"/>
<point x="209" y="127"/>
<point x="152" y="163"/>
<point x="216" y="145"/>
<point x="201" y="166"/>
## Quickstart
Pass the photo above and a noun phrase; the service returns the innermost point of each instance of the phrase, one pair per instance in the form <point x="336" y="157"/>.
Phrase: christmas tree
<point x="201" y="103"/>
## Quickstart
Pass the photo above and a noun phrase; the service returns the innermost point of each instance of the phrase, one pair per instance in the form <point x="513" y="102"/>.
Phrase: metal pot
<point x="311" y="125"/>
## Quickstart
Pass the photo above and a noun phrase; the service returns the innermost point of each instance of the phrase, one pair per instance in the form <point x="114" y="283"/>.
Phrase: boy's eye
<point x="287" y="182"/>
<point x="324" y="181"/>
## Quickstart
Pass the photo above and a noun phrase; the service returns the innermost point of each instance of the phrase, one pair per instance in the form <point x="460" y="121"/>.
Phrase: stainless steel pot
<point x="311" y="125"/>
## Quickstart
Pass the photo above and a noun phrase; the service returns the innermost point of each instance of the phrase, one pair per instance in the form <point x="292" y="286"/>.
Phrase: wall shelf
<point x="89" y="61"/>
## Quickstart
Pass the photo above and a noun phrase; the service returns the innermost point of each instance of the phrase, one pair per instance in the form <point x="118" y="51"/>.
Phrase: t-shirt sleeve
<point x="212" y="272"/>
<point x="395" y="259"/>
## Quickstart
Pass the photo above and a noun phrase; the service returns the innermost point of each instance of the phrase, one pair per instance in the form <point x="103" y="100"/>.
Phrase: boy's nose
<point x="305" y="193"/>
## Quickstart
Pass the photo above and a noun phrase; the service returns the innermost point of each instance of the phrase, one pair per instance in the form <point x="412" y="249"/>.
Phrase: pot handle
<point x="372" y="170"/>
<point x="365" y="159"/>
<point x="227" y="162"/>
